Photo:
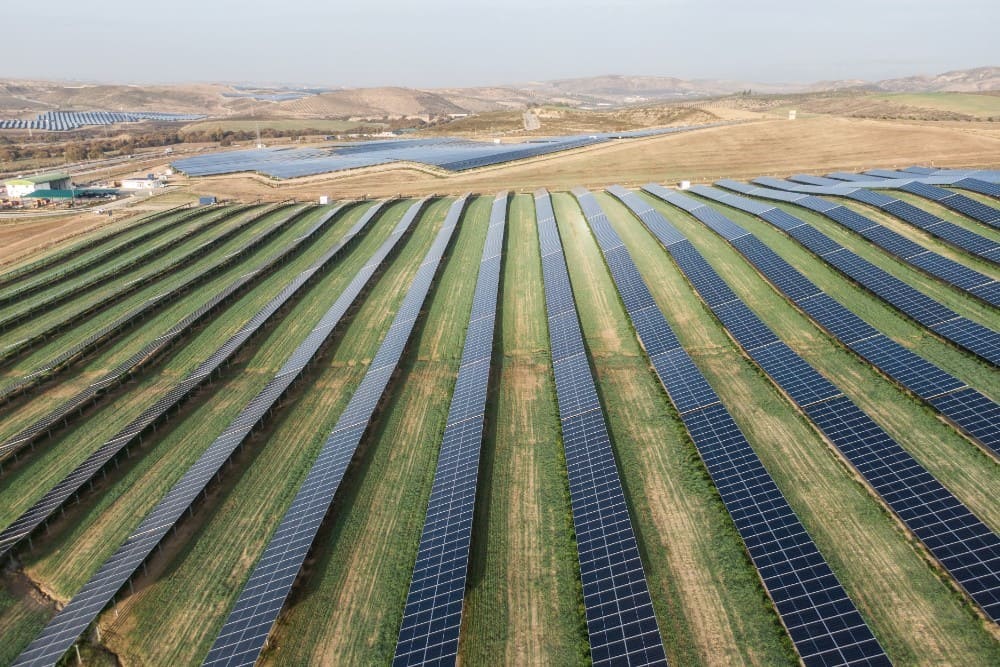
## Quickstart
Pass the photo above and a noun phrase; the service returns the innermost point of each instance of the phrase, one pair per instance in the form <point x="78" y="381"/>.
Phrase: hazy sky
<point x="439" y="43"/>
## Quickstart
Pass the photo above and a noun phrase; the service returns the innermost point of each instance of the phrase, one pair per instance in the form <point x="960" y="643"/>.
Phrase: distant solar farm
<point x="739" y="423"/>
<point x="61" y="121"/>
<point x="447" y="153"/>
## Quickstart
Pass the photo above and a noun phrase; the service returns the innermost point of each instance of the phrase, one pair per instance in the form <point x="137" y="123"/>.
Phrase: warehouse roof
<point x="40" y="178"/>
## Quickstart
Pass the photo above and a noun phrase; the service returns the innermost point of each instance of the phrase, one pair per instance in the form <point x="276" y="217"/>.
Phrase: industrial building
<point x="20" y="187"/>
<point x="149" y="182"/>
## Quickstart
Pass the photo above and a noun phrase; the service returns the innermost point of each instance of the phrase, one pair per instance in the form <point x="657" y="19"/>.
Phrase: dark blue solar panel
<point x="85" y="471"/>
<point x="955" y="201"/>
<point x="975" y="338"/>
<point x="245" y="631"/>
<point x="910" y="490"/>
<point x="810" y="600"/>
<point x="620" y="621"/>
<point x="433" y="613"/>
<point x="915" y="373"/>
<point x="66" y="626"/>
<point x="976" y="185"/>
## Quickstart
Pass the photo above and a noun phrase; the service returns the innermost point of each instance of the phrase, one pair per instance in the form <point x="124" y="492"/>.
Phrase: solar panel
<point x="960" y="541"/>
<point x="811" y="602"/>
<point x="245" y="631"/>
<point x="976" y="185"/>
<point x="71" y="484"/>
<point x="432" y="616"/>
<point x="621" y="625"/>
<point x="976" y="338"/>
<point x="61" y="121"/>
<point x="62" y="631"/>
<point x="947" y="231"/>
<point x="956" y="202"/>
<point x="151" y="305"/>
<point x="904" y="366"/>
<point x="444" y="152"/>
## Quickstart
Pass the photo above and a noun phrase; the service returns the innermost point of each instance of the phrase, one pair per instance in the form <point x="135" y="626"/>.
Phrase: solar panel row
<point x="976" y="185"/>
<point x="245" y="631"/>
<point x="93" y="241"/>
<point x="821" y="620"/>
<point x="957" y="236"/>
<point x="71" y="484"/>
<point x="151" y="305"/>
<point x="972" y="336"/>
<point x="48" y="421"/>
<point x="432" y="616"/>
<point x="447" y="153"/>
<point x="32" y="307"/>
<point x="74" y="268"/>
<point x="969" y="409"/>
<point x="63" y="630"/>
<point x="61" y="121"/>
<point x="954" y="273"/>
<point x="621" y="624"/>
<point x="961" y="542"/>
<point x="957" y="202"/>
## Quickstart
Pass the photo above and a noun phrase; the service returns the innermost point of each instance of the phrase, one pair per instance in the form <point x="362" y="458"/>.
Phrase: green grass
<point x="866" y="305"/>
<point x="115" y="266"/>
<point x="925" y="239"/>
<point x="981" y="106"/>
<point x="948" y="214"/>
<point x="229" y="533"/>
<point x="97" y="251"/>
<point x="60" y="318"/>
<point x="20" y="621"/>
<point x="949" y="456"/>
<point x="524" y="601"/>
<point x="947" y="295"/>
<point x="230" y="539"/>
<point x="55" y="458"/>
<point x="365" y="552"/>
<point x="978" y="196"/>
<point x="912" y="609"/>
<point x="22" y="413"/>
<point x="180" y="444"/>
<point x="707" y="597"/>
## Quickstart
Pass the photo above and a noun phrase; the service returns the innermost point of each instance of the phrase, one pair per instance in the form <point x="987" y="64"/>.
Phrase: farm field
<point x="525" y="601"/>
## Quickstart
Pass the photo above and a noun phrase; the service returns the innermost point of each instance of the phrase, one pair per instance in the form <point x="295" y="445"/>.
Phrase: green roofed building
<point x="20" y="187"/>
<point x="83" y="193"/>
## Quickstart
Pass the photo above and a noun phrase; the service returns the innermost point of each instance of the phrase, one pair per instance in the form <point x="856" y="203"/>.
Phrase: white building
<point x="20" y="187"/>
<point x="149" y="182"/>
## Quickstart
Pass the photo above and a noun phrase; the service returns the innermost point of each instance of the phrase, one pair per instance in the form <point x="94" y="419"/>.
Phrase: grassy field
<point x="949" y="456"/>
<point x="917" y="616"/>
<point x="52" y="459"/>
<point x="93" y="528"/>
<point x="869" y="307"/>
<point x="980" y="106"/>
<point x="228" y="536"/>
<point x="23" y="412"/>
<point x="66" y="325"/>
<point x="709" y="603"/>
<point x="524" y="602"/>
<point x="814" y="145"/>
<point x="364" y="555"/>
<point x="927" y="240"/>
<point x="948" y="214"/>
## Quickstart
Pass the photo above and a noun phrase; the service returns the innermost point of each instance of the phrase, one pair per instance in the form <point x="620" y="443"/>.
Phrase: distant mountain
<point x="22" y="98"/>
<point x="617" y="88"/>
<point x="978" y="80"/>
